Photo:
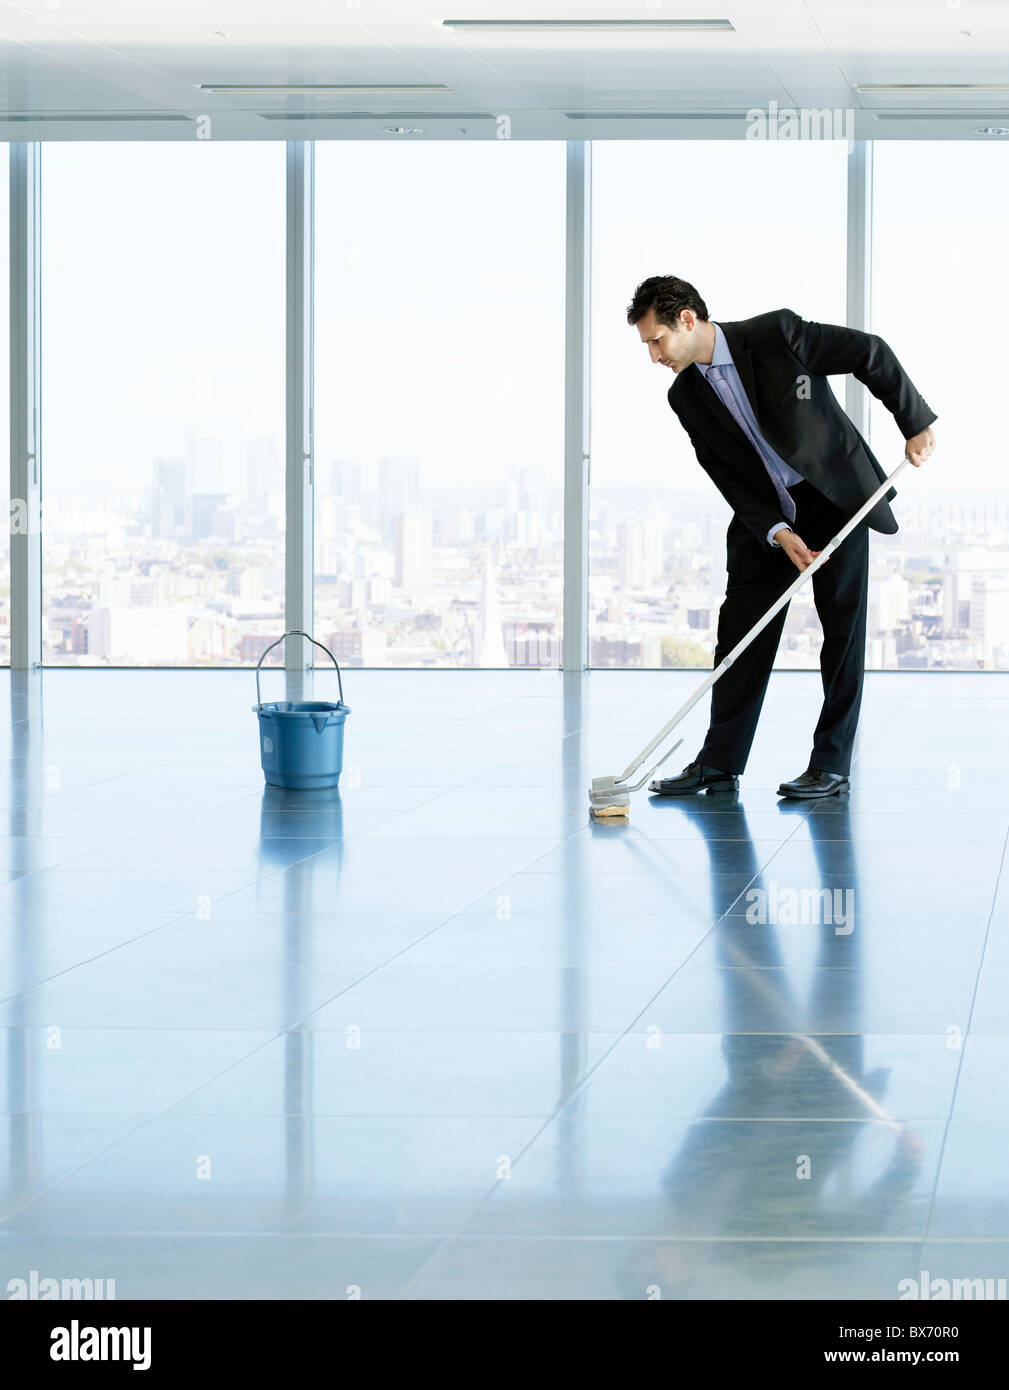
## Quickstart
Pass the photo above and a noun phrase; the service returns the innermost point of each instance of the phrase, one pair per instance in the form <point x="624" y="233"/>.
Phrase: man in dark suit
<point x="766" y="427"/>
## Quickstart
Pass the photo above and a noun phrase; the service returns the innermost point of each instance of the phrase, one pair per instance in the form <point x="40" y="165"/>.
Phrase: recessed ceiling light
<point x="404" y="130"/>
<point x="328" y="89"/>
<point x="645" y="115"/>
<point x="992" y="130"/>
<point x="927" y="88"/>
<point x="351" y="115"/>
<point x="633" y="25"/>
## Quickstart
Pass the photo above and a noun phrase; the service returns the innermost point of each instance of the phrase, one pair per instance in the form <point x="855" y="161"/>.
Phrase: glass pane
<point x="163" y="408"/>
<point x="440" y="403"/>
<point x="753" y="226"/>
<point x="5" y="483"/>
<point x="940" y="294"/>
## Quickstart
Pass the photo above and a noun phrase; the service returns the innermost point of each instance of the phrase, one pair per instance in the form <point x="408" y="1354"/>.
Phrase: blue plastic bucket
<point x="301" y="741"/>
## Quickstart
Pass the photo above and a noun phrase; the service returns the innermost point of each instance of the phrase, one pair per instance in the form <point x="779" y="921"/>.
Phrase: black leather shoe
<point x="814" y="783"/>
<point x="695" y="777"/>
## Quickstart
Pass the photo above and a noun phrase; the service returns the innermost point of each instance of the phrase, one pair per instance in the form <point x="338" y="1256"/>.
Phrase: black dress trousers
<point x="840" y="589"/>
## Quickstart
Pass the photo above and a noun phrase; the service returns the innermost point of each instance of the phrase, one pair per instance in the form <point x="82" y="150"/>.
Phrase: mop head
<point x="608" y="798"/>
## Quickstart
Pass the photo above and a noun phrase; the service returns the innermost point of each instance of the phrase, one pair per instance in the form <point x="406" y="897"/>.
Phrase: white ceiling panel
<point x="270" y="61"/>
<point x="112" y="56"/>
<point x="166" y="15"/>
<point x="906" y="28"/>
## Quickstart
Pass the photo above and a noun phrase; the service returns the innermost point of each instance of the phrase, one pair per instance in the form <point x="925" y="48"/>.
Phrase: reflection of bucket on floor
<point x="321" y="818"/>
<point x="301" y="741"/>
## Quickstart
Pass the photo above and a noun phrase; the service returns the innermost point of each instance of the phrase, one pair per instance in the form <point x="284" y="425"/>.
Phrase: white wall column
<point x="300" y="388"/>
<point x="859" y="267"/>
<point x="576" y="404"/>
<point x="25" y="405"/>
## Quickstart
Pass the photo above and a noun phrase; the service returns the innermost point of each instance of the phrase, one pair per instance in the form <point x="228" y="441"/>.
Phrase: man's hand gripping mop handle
<point x="775" y="608"/>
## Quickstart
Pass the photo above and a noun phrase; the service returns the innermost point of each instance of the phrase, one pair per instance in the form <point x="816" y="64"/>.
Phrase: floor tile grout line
<point x="437" y="927"/>
<point x="88" y="960"/>
<point x="450" y="917"/>
<point x="558" y="1109"/>
<point x="927" y="1121"/>
<point x="145" y="1233"/>
<point x="965" y="1043"/>
<point x="481" y="1032"/>
<point x="895" y="715"/>
<point x="563" y="1105"/>
<point x="147" y="1119"/>
<point x="172" y="920"/>
<point x="583" y="1084"/>
<point x="34" y="872"/>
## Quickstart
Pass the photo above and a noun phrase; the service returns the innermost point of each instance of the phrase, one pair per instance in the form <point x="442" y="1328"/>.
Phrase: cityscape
<point x="408" y="576"/>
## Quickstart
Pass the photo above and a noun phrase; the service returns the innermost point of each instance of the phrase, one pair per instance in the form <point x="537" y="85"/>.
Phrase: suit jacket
<point x="783" y="362"/>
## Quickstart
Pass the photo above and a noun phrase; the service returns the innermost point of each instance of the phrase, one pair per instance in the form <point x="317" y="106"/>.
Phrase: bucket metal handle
<point x="296" y="632"/>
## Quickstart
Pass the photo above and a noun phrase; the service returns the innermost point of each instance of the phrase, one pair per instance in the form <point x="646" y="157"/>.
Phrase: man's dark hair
<point x="667" y="295"/>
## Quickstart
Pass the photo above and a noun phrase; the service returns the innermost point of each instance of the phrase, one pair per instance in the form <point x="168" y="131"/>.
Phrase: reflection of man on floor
<point x="754" y="398"/>
<point x="800" y="1067"/>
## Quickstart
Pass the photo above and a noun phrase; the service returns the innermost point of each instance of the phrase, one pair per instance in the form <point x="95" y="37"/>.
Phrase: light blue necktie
<point x="714" y="375"/>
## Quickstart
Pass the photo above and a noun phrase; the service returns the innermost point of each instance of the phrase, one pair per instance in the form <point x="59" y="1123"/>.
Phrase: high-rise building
<point x="262" y="470"/>
<point x="989" y="616"/>
<point x="891" y="598"/>
<point x="98" y="633"/>
<point x="488" y="638"/>
<point x="330" y="516"/>
<point x="414" y="550"/>
<point x="203" y="457"/>
<point x="203" y="514"/>
<point x="640" y="550"/>
<point x="172" y="476"/>
<point x="344" y="481"/>
<point x="168" y="496"/>
<point x="957" y="587"/>
<point x="955" y="595"/>
<point x="398" y="483"/>
<point x="532" y="490"/>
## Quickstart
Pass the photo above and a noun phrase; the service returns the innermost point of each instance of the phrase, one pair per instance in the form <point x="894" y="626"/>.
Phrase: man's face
<point x="672" y="348"/>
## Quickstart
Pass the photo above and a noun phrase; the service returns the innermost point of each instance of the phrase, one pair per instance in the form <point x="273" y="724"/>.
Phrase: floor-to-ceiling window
<point x="440" y="396"/>
<point x="5" y="554"/>
<point x="163" y="402"/>
<point x="940" y="296"/>
<point x="753" y="225"/>
<point x="440" y="402"/>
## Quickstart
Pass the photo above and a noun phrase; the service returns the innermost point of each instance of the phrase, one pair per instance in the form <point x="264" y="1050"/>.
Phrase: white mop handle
<point x="761" y="623"/>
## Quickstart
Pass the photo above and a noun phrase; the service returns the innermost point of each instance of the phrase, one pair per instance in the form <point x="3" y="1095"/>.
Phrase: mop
<point x="610" y="796"/>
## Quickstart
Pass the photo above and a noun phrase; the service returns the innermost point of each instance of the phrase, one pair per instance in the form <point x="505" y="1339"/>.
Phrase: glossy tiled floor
<point x="438" y="1036"/>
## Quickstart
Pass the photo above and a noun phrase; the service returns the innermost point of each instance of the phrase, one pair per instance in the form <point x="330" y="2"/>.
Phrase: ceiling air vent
<point x="374" y="116"/>
<point x="132" y="116"/>
<point x="655" y="115"/>
<point x="325" y="89"/>
<point x="675" y="26"/>
<point x="931" y="89"/>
